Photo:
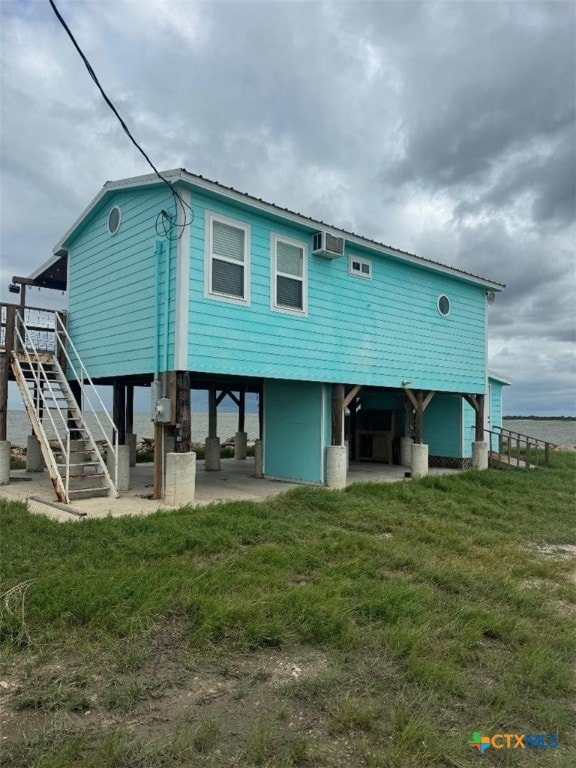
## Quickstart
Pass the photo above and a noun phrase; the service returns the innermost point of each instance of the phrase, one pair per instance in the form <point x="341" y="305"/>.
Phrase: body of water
<point x="19" y="426"/>
<point x="559" y="432"/>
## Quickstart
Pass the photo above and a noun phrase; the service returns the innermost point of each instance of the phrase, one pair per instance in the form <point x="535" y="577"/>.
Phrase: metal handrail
<point x="62" y="340"/>
<point x="39" y="382"/>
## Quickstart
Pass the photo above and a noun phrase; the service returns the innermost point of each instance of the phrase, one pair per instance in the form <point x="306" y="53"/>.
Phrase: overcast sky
<point x="446" y="129"/>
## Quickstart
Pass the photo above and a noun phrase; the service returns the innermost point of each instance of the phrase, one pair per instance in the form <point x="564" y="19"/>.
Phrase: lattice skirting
<point x="448" y="462"/>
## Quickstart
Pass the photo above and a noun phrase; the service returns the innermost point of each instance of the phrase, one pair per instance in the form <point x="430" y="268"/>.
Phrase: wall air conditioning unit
<point x="327" y="245"/>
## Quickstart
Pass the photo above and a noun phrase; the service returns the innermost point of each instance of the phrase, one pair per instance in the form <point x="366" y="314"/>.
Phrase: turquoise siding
<point x="496" y="403"/>
<point x="495" y="408"/>
<point x="469" y="431"/>
<point x="371" y="332"/>
<point x="443" y="426"/>
<point x="294" y="430"/>
<point x="112" y="287"/>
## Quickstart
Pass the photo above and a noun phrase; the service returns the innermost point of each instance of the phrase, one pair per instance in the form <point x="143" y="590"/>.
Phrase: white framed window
<point x="360" y="267"/>
<point x="227" y="263"/>
<point x="289" y="278"/>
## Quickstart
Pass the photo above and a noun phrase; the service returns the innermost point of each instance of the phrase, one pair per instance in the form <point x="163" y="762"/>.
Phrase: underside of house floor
<point x="235" y="481"/>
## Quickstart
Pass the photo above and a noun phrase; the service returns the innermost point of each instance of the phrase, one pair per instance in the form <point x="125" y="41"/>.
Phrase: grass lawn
<point x="379" y="626"/>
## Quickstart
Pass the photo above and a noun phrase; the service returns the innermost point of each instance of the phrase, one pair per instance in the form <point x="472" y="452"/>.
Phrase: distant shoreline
<point x="538" y="418"/>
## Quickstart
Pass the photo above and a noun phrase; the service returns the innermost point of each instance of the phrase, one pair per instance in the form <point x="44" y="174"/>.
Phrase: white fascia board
<point x="313" y="225"/>
<point x="498" y="377"/>
<point x="113" y="186"/>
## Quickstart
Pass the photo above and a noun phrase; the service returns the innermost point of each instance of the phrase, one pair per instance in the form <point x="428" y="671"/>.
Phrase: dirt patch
<point x="556" y="551"/>
<point x="168" y="690"/>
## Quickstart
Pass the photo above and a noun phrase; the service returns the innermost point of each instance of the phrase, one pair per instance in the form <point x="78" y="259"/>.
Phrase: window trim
<point x="361" y="260"/>
<point x="274" y="306"/>
<point x="208" y="257"/>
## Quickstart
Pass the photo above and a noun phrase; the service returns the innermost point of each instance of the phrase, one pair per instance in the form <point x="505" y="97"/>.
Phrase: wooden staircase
<point x="75" y="461"/>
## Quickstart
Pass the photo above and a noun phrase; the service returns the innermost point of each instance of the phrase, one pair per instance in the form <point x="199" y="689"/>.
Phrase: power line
<point x="92" y="73"/>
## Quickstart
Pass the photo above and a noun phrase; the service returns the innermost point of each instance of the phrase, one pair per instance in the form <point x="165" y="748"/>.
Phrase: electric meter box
<point x="161" y="407"/>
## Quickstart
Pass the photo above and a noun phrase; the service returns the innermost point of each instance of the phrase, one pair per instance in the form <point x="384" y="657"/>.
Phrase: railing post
<point x="546" y="454"/>
<point x="527" y="459"/>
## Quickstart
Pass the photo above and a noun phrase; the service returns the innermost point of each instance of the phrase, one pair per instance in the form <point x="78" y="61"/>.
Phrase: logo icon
<point x="481" y="743"/>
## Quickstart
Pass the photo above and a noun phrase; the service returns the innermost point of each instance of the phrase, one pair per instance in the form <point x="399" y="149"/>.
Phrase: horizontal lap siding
<point x="371" y="332"/>
<point x="112" y="287"/>
<point x="496" y="404"/>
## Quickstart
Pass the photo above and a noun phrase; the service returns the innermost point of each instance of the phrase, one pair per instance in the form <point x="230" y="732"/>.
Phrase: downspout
<point x="167" y="316"/>
<point x="158" y="254"/>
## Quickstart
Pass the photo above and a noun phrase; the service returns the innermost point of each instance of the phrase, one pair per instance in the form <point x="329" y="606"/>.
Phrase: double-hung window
<point x="227" y="259"/>
<point x="289" y="278"/>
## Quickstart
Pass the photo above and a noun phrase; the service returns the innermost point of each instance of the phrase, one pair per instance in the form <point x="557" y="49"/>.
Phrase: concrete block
<point x="5" y="449"/>
<point x="336" y="466"/>
<point x="259" y="458"/>
<point x="122" y="479"/>
<point x="212" y="454"/>
<point x="240" y="445"/>
<point x="34" y="458"/>
<point x="419" y="464"/>
<point x="131" y="440"/>
<point x="180" y="484"/>
<point x="480" y="455"/>
<point x="406" y="444"/>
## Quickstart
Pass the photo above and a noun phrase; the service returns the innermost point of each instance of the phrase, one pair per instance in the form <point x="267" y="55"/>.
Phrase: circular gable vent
<point x="114" y="218"/>
<point x="444" y="305"/>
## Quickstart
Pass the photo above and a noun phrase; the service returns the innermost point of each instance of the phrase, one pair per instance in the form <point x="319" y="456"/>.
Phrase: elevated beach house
<point x="357" y="351"/>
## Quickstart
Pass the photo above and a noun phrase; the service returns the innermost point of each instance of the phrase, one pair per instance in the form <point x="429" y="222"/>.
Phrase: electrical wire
<point x="162" y="216"/>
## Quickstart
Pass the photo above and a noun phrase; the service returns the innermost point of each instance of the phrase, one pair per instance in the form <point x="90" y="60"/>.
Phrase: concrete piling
<point x="419" y="463"/>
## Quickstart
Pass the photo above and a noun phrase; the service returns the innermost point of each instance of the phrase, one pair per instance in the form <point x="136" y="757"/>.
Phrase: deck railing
<point x="40" y="323"/>
<point x="518" y="450"/>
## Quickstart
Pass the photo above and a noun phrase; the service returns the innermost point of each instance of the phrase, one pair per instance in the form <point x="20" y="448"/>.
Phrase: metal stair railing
<point x="87" y="387"/>
<point x="41" y="381"/>
<point x="514" y="447"/>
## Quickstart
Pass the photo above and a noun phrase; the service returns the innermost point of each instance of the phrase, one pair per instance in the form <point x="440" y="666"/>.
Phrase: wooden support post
<point x="5" y="363"/>
<point x="158" y="460"/>
<point x="212" y="413"/>
<point x="408" y="418"/>
<point x="419" y="419"/>
<point x="353" y="425"/>
<point x="337" y="414"/>
<point x="183" y="417"/>
<point x="119" y="410"/>
<point x="480" y="419"/>
<point x="241" y="410"/>
<point x="4" y="369"/>
<point x="129" y="409"/>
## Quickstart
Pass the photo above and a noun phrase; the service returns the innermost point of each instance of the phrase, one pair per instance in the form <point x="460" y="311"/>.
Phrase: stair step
<point x="93" y="476"/>
<point x="76" y="491"/>
<point x="82" y="464"/>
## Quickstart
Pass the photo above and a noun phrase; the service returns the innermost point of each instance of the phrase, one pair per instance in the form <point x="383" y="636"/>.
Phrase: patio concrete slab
<point x="234" y="482"/>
